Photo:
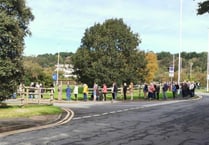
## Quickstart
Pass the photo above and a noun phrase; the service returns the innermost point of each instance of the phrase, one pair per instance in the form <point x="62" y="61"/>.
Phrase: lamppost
<point x="180" y="42"/>
<point x="190" y="72"/>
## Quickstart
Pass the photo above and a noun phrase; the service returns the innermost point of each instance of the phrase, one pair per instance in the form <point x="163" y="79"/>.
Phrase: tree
<point x="108" y="53"/>
<point x="152" y="66"/>
<point x="203" y="7"/>
<point x="36" y="73"/>
<point x="14" y="19"/>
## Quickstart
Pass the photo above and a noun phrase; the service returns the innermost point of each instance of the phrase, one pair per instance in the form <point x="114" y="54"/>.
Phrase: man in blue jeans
<point x="68" y="93"/>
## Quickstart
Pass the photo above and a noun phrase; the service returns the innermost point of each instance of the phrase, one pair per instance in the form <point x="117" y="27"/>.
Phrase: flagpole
<point x="180" y="42"/>
<point x="207" y="63"/>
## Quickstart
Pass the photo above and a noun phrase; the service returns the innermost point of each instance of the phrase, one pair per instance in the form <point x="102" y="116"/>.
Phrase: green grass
<point x="28" y="111"/>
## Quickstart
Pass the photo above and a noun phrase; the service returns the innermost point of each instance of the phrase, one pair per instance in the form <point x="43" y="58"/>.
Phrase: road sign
<point x="54" y="77"/>
<point x="171" y="71"/>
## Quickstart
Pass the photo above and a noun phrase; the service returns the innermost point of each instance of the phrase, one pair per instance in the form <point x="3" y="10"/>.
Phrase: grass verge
<point x="27" y="111"/>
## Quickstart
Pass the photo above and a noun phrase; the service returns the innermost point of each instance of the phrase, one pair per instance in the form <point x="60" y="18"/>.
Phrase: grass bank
<point x="27" y="111"/>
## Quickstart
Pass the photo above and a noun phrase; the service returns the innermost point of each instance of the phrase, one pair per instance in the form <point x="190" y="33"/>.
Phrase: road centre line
<point x="87" y="116"/>
<point x="96" y="115"/>
<point x="77" y="118"/>
<point x="112" y="112"/>
<point x="125" y="110"/>
<point x="105" y="113"/>
<point x="129" y="109"/>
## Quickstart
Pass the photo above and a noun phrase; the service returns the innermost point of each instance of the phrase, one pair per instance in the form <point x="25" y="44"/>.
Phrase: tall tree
<point x="152" y="66"/>
<point x="14" y="19"/>
<point x="108" y="53"/>
<point x="203" y="7"/>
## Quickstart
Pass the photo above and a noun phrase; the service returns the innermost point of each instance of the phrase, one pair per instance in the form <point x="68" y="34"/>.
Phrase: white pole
<point x="173" y="62"/>
<point x="180" y="42"/>
<point x="58" y="67"/>
<point x="207" y="63"/>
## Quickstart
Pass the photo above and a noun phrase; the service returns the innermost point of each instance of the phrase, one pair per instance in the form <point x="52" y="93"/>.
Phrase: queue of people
<point x="185" y="89"/>
<point x="150" y="91"/>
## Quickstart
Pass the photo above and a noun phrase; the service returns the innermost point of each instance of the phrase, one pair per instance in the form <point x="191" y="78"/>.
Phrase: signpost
<point x="171" y="71"/>
<point x="54" y="77"/>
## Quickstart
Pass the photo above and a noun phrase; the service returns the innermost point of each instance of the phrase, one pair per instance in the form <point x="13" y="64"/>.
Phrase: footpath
<point x="17" y="125"/>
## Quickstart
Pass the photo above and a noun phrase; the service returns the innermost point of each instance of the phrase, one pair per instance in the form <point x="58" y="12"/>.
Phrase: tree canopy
<point x="203" y="7"/>
<point x="152" y="66"/>
<point x="14" y="20"/>
<point x="108" y="53"/>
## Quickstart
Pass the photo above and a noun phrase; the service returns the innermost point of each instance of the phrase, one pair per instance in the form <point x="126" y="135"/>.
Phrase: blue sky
<point x="59" y="25"/>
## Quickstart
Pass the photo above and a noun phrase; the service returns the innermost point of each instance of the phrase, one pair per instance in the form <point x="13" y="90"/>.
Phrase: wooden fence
<point x="34" y="95"/>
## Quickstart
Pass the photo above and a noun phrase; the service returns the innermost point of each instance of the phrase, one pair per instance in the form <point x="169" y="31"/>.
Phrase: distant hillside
<point x="193" y="65"/>
<point x="49" y="60"/>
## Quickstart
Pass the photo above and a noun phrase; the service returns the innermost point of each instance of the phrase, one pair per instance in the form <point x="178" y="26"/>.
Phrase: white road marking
<point x="96" y="115"/>
<point x="86" y="116"/>
<point x="105" y="113"/>
<point x="112" y="112"/>
<point x="129" y="109"/>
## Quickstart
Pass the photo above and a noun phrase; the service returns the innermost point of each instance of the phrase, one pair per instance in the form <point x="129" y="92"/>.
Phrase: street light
<point x="190" y="72"/>
<point x="180" y="42"/>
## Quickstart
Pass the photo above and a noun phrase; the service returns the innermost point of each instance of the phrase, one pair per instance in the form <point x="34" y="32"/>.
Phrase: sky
<point x="59" y="25"/>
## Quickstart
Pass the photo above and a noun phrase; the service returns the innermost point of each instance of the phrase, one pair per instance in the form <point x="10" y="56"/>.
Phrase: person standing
<point x="104" y="91"/>
<point x="31" y="90"/>
<point x="68" y="93"/>
<point x="124" y="90"/>
<point x="164" y="89"/>
<point x="151" y="90"/>
<point x="192" y="89"/>
<point x="85" y="92"/>
<point x="145" y="90"/>
<point x="95" y="92"/>
<point x="131" y="89"/>
<point x="75" y="92"/>
<point x="158" y="91"/>
<point x="174" y="90"/>
<point x="52" y="92"/>
<point x="112" y="91"/>
<point x="41" y="90"/>
<point x="115" y="90"/>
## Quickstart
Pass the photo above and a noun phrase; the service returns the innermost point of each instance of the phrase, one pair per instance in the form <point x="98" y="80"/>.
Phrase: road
<point x="133" y="123"/>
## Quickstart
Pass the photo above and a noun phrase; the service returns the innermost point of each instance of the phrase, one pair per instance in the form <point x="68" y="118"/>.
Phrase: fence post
<point x="27" y="94"/>
<point x="22" y="94"/>
<point x="51" y="95"/>
<point x="39" y="94"/>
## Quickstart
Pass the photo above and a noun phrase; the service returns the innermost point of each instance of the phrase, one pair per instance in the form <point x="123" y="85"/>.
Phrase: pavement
<point x="17" y="125"/>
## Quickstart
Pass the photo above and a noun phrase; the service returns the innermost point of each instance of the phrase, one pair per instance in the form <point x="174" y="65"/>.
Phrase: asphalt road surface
<point x="133" y="123"/>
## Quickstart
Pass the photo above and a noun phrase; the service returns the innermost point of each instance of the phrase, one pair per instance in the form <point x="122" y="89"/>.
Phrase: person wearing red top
<point x="104" y="91"/>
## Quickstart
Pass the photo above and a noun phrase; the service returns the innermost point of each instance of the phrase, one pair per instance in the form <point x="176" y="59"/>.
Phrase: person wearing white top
<point x="75" y="92"/>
